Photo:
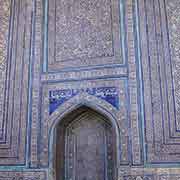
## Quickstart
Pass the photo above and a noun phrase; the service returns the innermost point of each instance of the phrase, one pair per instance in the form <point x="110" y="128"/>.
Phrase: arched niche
<point x="85" y="146"/>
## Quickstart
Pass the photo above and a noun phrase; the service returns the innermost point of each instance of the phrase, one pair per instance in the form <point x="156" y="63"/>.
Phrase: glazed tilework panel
<point x="159" y="22"/>
<point x="25" y="92"/>
<point x="25" y="43"/>
<point x="85" y="28"/>
<point x="83" y="33"/>
<point x="83" y="97"/>
<point x="18" y="175"/>
<point x="173" y="15"/>
<point x="58" y="97"/>
<point x="4" y="21"/>
<point x="130" y="174"/>
<point x="5" y="14"/>
<point x="149" y="174"/>
<point x="14" y="51"/>
<point x="39" y="147"/>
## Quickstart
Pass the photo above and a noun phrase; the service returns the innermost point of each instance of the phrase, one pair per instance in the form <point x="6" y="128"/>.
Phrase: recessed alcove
<point x="84" y="147"/>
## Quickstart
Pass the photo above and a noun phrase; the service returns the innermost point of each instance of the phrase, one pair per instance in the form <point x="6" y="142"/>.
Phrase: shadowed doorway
<point x="85" y="147"/>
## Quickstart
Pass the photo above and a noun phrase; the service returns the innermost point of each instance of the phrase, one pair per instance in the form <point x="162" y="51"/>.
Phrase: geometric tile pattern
<point x="5" y="15"/>
<point x="58" y="97"/>
<point x="83" y="97"/>
<point x="126" y="66"/>
<point x="173" y="16"/>
<point x="15" y="40"/>
<point x="146" y="177"/>
<point x="89" y="35"/>
<point x="38" y="175"/>
<point x="149" y="173"/>
<point x="160" y="61"/>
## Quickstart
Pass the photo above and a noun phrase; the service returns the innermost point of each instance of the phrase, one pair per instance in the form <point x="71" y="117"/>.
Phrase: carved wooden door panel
<point x="89" y="151"/>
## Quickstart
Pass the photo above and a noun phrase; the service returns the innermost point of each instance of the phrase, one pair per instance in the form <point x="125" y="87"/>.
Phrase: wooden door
<point x="89" y="153"/>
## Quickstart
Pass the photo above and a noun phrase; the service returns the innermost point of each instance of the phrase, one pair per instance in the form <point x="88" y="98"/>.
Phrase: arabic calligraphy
<point x="58" y="97"/>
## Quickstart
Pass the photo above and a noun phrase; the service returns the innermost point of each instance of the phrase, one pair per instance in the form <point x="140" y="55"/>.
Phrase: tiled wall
<point x="116" y="56"/>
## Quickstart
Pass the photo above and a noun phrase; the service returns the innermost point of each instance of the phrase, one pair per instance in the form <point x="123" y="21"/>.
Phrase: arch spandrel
<point x="85" y="99"/>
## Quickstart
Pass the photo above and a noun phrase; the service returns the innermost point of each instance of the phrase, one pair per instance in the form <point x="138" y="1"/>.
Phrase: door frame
<point x="101" y="107"/>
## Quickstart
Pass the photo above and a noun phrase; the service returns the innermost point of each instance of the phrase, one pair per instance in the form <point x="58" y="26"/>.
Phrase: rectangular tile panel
<point x="83" y="33"/>
<point x="159" y="22"/>
<point x="15" y="19"/>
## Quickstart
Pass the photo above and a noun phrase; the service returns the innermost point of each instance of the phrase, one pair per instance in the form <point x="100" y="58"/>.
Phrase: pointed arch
<point x="84" y="100"/>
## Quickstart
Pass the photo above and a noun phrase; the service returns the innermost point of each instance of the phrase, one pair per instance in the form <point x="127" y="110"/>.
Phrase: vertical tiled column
<point x="36" y="56"/>
<point x="133" y="110"/>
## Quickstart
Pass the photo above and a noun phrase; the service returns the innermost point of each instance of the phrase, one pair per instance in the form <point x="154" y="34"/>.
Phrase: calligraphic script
<point x="58" y="97"/>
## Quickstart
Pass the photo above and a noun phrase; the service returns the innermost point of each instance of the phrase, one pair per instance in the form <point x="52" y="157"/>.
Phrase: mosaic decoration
<point x="152" y="174"/>
<point x="173" y="14"/>
<point x="91" y="101"/>
<point x="89" y="31"/>
<point x="160" y="67"/>
<point x="15" y="47"/>
<point x="18" y="175"/>
<point x="85" y="28"/>
<point x="146" y="177"/>
<point x="125" y="56"/>
<point x="4" y="21"/>
<point x="58" y="97"/>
